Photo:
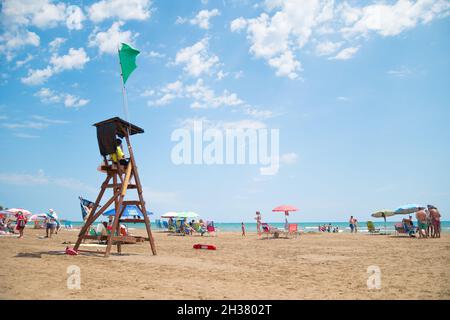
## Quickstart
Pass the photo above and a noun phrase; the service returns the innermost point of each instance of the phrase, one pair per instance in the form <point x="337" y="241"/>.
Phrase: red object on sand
<point x="71" y="252"/>
<point x="204" y="246"/>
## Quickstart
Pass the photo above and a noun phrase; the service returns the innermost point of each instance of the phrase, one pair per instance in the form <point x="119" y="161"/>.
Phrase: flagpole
<point x="124" y="92"/>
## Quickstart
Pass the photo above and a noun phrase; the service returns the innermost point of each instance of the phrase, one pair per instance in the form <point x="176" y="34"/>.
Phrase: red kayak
<point x="204" y="246"/>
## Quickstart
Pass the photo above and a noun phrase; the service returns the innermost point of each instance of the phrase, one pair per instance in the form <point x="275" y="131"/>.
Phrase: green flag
<point x="127" y="56"/>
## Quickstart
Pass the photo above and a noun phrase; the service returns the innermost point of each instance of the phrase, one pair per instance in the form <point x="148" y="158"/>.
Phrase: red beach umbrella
<point x="285" y="208"/>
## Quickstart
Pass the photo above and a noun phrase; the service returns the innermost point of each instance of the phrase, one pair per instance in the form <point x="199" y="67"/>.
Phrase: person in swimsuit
<point x="421" y="217"/>
<point x="258" y="222"/>
<point x="243" y="229"/>
<point x="21" y="222"/>
<point x="351" y="224"/>
<point x="435" y="220"/>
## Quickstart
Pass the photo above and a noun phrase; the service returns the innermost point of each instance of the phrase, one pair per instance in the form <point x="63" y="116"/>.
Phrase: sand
<point x="312" y="266"/>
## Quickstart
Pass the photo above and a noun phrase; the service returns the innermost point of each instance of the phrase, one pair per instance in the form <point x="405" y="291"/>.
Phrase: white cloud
<point x="109" y="41"/>
<point x="75" y="59"/>
<point x="400" y="72"/>
<point x="343" y="99"/>
<point x="261" y="114"/>
<point x="286" y="27"/>
<point x="12" y="41"/>
<point x="25" y="125"/>
<point x="28" y="58"/>
<point x="41" y="179"/>
<point x="154" y="54"/>
<point x="56" y="43"/>
<point x="196" y="59"/>
<point x="327" y="47"/>
<point x="26" y="135"/>
<point x="47" y="95"/>
<point x="203" y="96"/>
<point x="238" y="24"/>
<point x="392" y="19"/>
<point x="72" y="101"/>
<point x="181" y="20"/>
<point x="121" y="9"/>
<point x="18" y="15"/>
<point x="286" y="65"/>
<point x="203" y="17"/>
<point x="345" y="54"/>
<point x="47" y="120"/>
<point x="38" y="76"/>
<point x="74" y="18"/>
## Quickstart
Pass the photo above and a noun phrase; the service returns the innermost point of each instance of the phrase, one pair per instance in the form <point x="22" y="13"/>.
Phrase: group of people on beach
<point x="328" y="228"/>
<point x="428" y="223"/>
<point x="189" y="227"/>
<point x="51" y="223"/>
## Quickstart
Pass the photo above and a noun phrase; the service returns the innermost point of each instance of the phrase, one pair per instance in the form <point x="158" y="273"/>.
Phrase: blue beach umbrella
<point x="408" y="209"/>
<point x="130" y="211"/>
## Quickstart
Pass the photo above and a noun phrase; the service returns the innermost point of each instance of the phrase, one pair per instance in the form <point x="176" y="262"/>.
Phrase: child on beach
<point x="243" y="229"/>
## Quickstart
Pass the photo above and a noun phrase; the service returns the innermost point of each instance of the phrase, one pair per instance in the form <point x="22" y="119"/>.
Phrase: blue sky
<point x="358" y="91"/>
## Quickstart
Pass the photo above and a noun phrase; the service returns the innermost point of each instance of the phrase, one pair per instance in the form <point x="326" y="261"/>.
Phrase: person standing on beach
<point x="21" y="222"/>
<point x="351" y="224"/>
<point x="355" y="225"/>
<point x="421" y="217"/>
<point x="258" y="222"/>
<point x="435" y="220"/>
<point x="243" y="229"/>
<point x="50" y="224"/>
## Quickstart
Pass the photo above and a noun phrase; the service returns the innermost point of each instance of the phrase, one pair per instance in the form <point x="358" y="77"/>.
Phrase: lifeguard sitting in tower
<point x="119" y="156"/>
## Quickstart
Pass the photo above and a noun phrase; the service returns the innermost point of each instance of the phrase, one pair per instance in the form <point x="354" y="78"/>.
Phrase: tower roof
<point x="122" y="126"/>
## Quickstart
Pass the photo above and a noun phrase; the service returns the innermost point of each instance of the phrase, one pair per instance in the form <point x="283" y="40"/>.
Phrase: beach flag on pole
<point x="127" y="57"/>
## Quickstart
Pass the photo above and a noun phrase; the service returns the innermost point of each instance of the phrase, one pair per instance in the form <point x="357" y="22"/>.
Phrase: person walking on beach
<point x="243" y="229"/>
<point x="258" y="222"/>
<point x="355" y="225"/>
<point x="50" y="225"/>
<point x="21" y="222"/>
<point x="351" y="224"/>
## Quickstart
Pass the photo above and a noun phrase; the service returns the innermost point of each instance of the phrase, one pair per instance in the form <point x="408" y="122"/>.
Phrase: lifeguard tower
<point x="122" y="177"/>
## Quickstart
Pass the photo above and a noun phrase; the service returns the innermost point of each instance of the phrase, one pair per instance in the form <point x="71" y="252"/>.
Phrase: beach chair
<point x="400" y="229"/>
<point x="293" y="229"/>
<point x="371" y="228"/>
<point x="211" y="229"/>
<point x="270" y="230"/>
<point x="198" y="228"/>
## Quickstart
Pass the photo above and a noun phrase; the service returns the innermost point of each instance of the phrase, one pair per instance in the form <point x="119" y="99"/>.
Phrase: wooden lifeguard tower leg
<point x="141" y="198"/>
<point x="119" y="209"/>
<point x="92" y="215"/>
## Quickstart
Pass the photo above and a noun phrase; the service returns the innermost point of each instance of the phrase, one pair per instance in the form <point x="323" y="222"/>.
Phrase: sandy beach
<point x="312" y="266"/>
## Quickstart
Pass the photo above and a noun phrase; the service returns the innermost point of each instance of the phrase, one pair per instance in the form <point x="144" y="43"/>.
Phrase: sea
<point x="304" y="226"/>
